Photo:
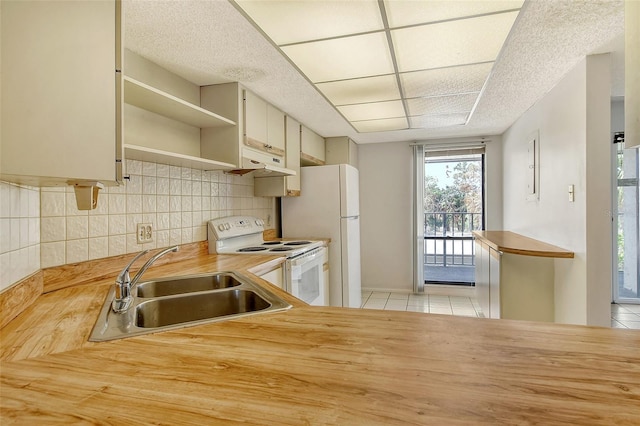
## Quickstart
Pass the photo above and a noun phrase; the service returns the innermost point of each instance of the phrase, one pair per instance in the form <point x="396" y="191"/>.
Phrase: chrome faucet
<point x="124" y="283"/>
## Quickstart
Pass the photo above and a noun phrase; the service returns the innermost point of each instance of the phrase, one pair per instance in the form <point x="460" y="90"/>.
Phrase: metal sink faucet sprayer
<point x="124" y="283"/>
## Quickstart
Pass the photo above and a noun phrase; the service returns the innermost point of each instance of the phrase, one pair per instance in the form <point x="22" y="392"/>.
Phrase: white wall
<point x="386" y="194"/>
<point x="573" y="121"/>
<point x="385" y="216"/>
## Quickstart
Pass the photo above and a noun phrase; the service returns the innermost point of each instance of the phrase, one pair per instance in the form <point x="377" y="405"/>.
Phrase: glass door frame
<point x="418" y="171"/>
<point x="617" y="147"/>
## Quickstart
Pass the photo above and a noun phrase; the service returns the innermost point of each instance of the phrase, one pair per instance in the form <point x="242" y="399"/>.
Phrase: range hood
<point x="261" y="165"/>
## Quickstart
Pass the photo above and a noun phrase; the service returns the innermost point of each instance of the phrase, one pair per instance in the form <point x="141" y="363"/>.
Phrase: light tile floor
<point x="430" y="303"/>
<point x="622" y="316"/>
<point x="625" y="316"/>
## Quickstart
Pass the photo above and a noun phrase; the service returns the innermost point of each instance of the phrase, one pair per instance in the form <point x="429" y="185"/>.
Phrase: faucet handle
<point x="123" y="276"/>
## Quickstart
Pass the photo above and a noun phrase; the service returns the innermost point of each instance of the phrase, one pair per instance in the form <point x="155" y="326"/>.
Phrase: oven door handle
<point x="307" y="257"/>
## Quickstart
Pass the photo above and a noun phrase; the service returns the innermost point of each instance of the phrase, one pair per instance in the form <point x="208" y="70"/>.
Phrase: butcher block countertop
<point x="510" y="242"/>
<point x="312" y="365"/>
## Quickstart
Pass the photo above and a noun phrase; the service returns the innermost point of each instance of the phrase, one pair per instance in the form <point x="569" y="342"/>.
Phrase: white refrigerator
<point x="329" y="207"/>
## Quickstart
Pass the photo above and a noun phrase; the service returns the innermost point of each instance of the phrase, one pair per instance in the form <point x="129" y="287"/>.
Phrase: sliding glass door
<point x="626" y="271"/>
<point x="449" y="205"/>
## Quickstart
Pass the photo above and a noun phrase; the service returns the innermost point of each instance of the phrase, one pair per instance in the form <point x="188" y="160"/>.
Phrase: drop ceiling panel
<point x="343" y="58"/>
<point x="372" y="111"/>
<point x="385" y="125"/>
<point x="362" y="90"/>
<point x="464" y="79"/>
<point x="450" y="43"/>
<point x="403" y="13"/>
<point x="438" y="121"/>
<point x="294" y="21"/>
<point x="442" y="104"/>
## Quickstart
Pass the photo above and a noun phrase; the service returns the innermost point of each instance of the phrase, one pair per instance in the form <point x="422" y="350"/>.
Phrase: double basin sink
<point x="176" y="302"/>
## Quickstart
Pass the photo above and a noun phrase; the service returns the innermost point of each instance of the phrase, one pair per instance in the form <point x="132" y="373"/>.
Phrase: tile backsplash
<point x="42" y="227"/>
<point x="19" y="232"/>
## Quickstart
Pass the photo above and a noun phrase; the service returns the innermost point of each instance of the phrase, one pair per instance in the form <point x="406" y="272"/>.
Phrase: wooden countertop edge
<point x="18" y="297"/>
<point x="510" y="242"/>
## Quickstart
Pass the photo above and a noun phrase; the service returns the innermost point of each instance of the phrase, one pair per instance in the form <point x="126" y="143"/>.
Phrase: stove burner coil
<point x="250" y="249"/>
<point x="297" y="243"/>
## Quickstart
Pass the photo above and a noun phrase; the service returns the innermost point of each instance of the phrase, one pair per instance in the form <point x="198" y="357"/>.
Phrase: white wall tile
<point x="162" y="170"/>
<point x="98" y="226"/>
<point x="77" y="251"/>
<point x="162" y="203"/>
<point x="117" y="204"/>
<point x="44" y="228"/>
<point x="117" y="224"/>
<point x="148" y="203"/>
<point x="5" y="200"/>
<point x="134" y="167"/>
<point x="77" y="227"/>
<point x="149" y="184"/>
<point x="5" y="234"/>
<point x="148" y="169"/>
<point x="134" y="203"/>
<point x="52" y="254"/>
<point x="162" y="185"/>
<point x="52" y="203"/>
<point x="162" y="238"/>
<point x="117" y="245"/>
<point x="53" y="229"/>
<point x="98" y="247"/>
<point x="14" y="236"/>
<point x="5" y="265"/>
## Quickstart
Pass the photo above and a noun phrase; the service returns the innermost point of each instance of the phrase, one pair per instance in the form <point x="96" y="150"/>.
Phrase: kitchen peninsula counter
<point x="312" y="365"/>
<point x="510" y="242"/>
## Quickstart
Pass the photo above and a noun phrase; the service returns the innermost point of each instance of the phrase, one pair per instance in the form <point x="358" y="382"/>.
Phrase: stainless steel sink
<point x="176" y="302"/>
<point x="195" y="307"/>
<point x="187" y="284"/>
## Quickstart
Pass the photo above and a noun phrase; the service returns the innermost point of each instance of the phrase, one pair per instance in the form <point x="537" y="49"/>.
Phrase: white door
<point x="351" y="293"/>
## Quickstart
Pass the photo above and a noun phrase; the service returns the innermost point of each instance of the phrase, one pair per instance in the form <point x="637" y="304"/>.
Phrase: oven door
<point x="305" y="277"/>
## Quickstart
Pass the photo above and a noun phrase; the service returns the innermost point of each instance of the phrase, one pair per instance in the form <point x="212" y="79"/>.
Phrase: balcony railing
<point x="448" y="242"/>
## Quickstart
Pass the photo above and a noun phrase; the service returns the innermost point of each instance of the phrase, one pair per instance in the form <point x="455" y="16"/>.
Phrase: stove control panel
<point x="234" y="226"/>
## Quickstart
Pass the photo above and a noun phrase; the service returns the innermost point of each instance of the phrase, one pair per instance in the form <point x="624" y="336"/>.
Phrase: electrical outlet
<point x="144" y="233"/>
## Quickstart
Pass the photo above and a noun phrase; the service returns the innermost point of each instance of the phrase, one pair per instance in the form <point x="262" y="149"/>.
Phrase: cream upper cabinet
<point x="264" y="125"/>
<point x="257" y="142"/>
<point x="341" y="150"/>
<point x="255" y="121"/>
<point x="284" y="186"/>
<point x="163" y="120"/>
<point x="312" y="148"/>
<point x="276" y="128"/>
<point x="60" y="85"/>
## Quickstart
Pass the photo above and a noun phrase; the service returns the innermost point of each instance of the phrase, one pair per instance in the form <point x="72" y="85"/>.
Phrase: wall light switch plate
<point x="571" y="193"/>
<point x="144" y="233"/>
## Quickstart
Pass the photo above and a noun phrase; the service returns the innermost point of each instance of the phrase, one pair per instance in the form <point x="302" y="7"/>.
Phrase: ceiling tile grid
<point x="212" y="41"/>
<point x="391" y="60"/>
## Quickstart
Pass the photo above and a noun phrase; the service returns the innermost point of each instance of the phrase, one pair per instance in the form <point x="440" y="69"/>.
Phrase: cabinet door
<point x="59" y="94"/>
<point x="275" y="277"/>
<point x="341" y="150"/>
<point x="284" y="186"/>
<point x="264" y="125"/>
<point x="255" y="120"/>
<point x="312" y="148"/>
<point x="275" y="127"/>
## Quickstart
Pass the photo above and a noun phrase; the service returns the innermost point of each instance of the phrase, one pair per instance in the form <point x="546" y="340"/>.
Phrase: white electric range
<point x="305" y="264"/>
